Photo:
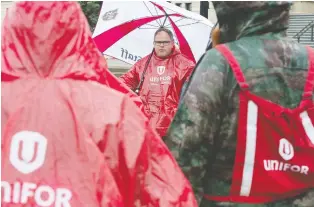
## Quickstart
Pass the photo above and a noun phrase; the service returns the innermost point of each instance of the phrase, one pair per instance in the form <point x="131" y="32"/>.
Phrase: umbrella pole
<point x="137" y="90"/>
<point x="164" y="20"/>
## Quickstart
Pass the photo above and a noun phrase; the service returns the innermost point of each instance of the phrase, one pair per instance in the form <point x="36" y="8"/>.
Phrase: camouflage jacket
<point x="275" y="68"/>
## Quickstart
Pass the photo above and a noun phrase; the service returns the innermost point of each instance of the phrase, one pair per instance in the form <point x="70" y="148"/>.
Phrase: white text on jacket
<point x="160" y="79"/>
<point x="275" y="165"/>
<point x="41" y="195"/>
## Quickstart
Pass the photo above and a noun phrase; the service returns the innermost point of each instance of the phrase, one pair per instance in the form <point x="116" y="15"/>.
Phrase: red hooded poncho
<point x="68" y="140"/>
<point x="162" y="86"/>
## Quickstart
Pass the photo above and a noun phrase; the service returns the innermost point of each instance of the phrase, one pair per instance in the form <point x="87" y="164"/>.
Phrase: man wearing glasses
<point x="158" y="79"/>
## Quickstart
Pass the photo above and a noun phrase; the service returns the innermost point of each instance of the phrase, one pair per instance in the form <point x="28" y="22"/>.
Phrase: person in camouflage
<point x="203" y="134"/>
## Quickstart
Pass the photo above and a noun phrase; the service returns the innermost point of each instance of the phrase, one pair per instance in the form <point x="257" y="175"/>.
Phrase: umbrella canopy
<point x="125" y="30"/>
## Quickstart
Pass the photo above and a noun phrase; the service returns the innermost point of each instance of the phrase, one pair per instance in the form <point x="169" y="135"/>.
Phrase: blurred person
<point x="67" y="138"/>
<point x="244" y="133"/>
<point x="167" y="71"/>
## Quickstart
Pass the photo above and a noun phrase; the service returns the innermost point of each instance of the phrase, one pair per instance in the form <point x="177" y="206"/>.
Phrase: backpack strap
<point x="309" y="84"/>
<point x="234" y="64"/>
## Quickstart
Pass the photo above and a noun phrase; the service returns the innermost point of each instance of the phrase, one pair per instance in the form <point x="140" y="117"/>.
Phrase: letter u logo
<point x="161" y="70"/>
<point x="28" y="151"/>
<point x="286" y="150"/>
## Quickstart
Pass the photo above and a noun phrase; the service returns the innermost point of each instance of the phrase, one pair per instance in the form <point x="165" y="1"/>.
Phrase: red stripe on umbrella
<point x="184" y="45"/>
<point x="111" y="36"/>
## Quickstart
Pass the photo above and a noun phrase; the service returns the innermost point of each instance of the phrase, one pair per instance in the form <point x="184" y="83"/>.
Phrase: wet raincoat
<point x="113" y="82"/>
<point x="160" y="92"/>
<point x="68" y="140"/>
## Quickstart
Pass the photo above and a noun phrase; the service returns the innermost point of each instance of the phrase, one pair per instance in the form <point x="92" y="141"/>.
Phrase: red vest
<point x="275" y="145"/>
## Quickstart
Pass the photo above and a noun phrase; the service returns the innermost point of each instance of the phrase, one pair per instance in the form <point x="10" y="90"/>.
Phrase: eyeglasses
<point x="159" y="43"/>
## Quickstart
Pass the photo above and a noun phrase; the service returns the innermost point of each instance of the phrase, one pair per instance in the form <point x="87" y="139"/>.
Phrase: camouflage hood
<point x="246" y="18"/>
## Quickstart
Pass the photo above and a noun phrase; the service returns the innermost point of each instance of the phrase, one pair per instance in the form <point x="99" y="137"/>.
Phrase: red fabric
<point x="72" y="69"/>
<point x="275" y="146"/>
<point x="66" y="138"/>
<point x="160" y="93"/>
<point x="113" y="82"/>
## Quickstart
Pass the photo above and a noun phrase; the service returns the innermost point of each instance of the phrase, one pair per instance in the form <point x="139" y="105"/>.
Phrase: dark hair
<point x="163" y="29"/>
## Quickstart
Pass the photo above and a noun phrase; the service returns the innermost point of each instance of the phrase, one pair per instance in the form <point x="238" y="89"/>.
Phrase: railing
<point x="305" y="29"/>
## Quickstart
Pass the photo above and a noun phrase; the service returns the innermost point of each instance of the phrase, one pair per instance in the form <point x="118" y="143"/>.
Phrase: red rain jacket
<point x="66" y="139"/>
<point x="160" y="92"/>
<point x="113" y="82"/>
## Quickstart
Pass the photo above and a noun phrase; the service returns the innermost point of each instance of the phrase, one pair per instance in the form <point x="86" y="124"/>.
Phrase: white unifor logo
<point x="27" y="154"/>
<point x="28" y="151"/>
<point x="161" y="70"/>
<point x="286" y="150"/>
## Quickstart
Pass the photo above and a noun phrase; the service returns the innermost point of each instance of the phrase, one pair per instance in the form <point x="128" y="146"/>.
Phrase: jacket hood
<point x="247" y="18"/>
<point x="49" y="40"/>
